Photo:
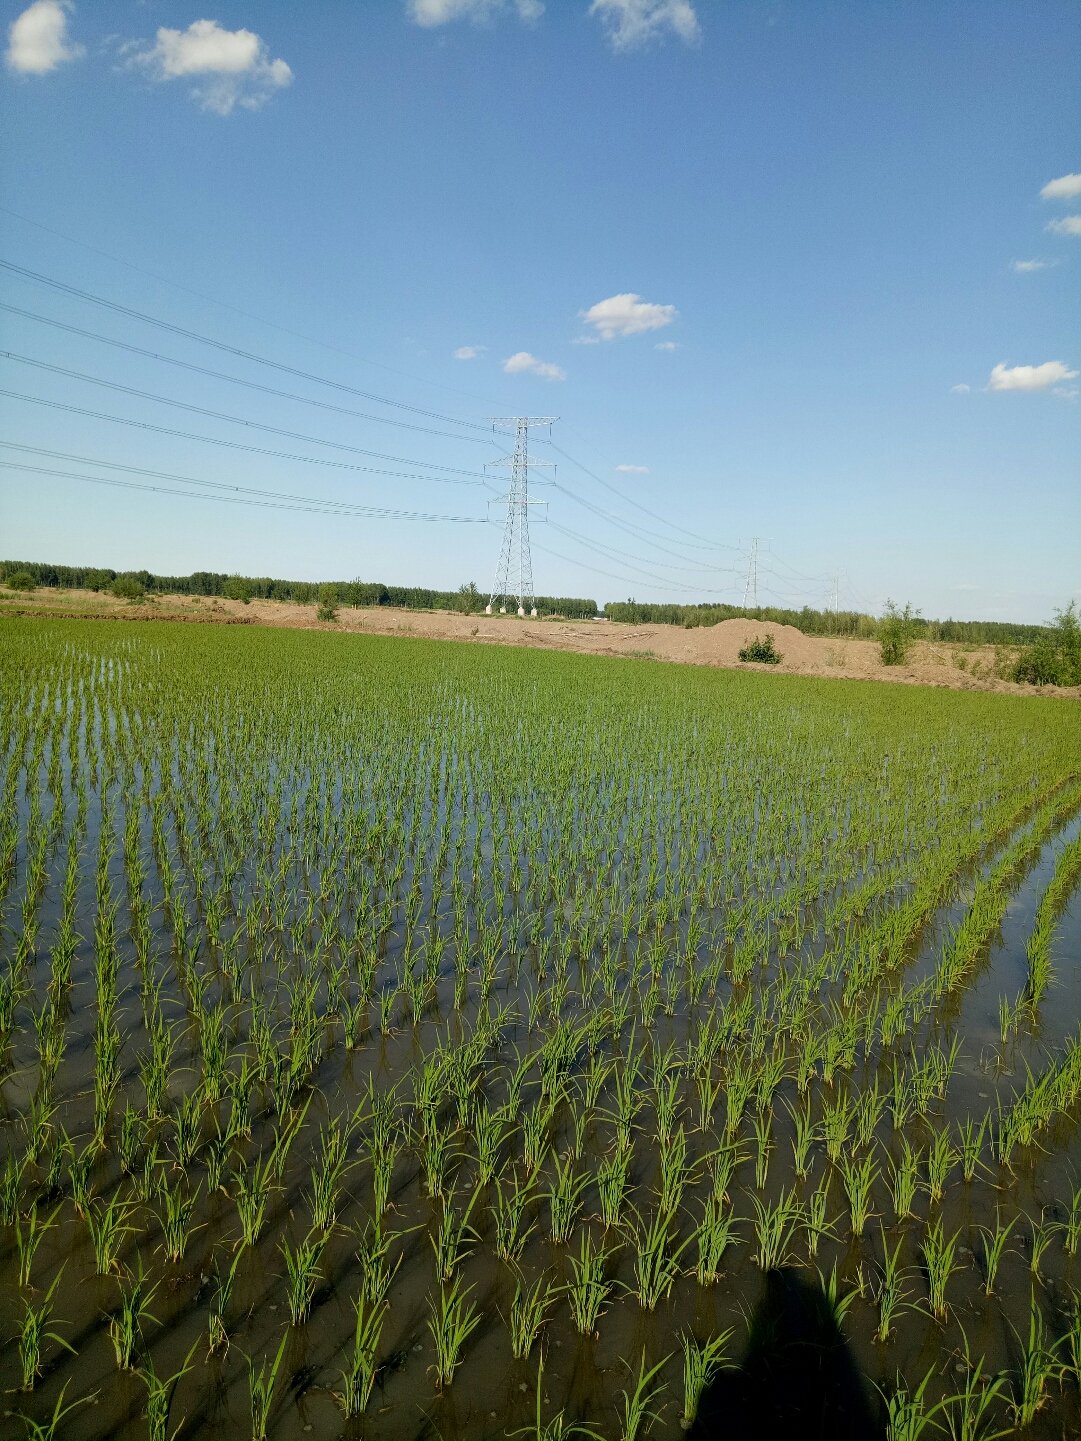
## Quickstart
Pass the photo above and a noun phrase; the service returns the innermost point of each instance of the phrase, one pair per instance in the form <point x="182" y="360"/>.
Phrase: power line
<point x="236" y="379"/>
<point x="232" y="419"/>
<point x="126" y="310"/>
<point x="625" y="558"/>
<point x="233" y="444"/>
<point x="358" y="512"/>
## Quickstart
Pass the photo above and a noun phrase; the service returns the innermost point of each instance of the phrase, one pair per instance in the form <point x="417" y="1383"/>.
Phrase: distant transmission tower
<point x="750" y="590"/>
<point x="514" y="574"/>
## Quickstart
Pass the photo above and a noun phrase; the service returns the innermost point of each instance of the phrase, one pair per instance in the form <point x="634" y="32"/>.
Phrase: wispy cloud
<point x="1068" y="225"/>
<point x="627" y="314"/>
<point x="1030" y="377"/>
<point x="233" y="67"/>
<point x="633" y="23"/>
<point x="38" y="38"/>
<point x="1026" y="267"/>
<point x="522" y="363"/>
<point x="430" y="13"/>
<point x="469" y="352"/>
<point x="961" y="389"/>
<point x="667" y="345"/>
<point x="633" y="469"/>
<point x="1066" y="187"/>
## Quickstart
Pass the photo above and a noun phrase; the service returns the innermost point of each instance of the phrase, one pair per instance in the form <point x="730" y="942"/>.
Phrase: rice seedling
<point x="564" y="1198"/>
<point x="657" y="1254"/>
<point x="1038" y="1366"/>
<point x="34" y="1331"/>
<point x="359" y="1376"/>
<point x="511" y="1230"/>
<point x="451" y="1322"/>
<point x="908" y="1415"/>
<point x="557" y="1428"/>
<point x="714" y="1235"/>
<point x="49" y="1430"/>
<point x="994" y="1247"/>
<point x="455" y="1237"/>
<point x="891" y="1293"/>
<point x="126" y="1324"/>
<point x="859" y="1178"/>
<point x="108" y="1225"/>
<point x="160" y="1393"/>
<point x="702" y="1361"/>
<point x="967" y="1412"/>
<point x="1043" y="1233"/>
<point x="528" y="1312"/>
<point x="302" y="1265"/>
<point x="588" y="1290"/>
<point x="262" y="1384"/>
<point x="28" y="1239"/>
<point x="638" y="1404"/>
<point x="775" y="1226"/>
<point x="940" y="1262"/>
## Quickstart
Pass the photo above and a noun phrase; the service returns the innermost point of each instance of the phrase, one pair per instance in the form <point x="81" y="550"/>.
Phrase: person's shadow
<point x="797" y="1378"/>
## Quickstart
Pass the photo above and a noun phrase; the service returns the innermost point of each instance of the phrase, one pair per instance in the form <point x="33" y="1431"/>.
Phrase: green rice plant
<point x="813" y="1218"/>
<point x="50" y="1430"/>
<point x="839" y="1302"/>
<point x="613" y="1180"/>
<point x="763" y="1128"/>
<point x="1070" y="1342"/>
<point x="775" y="1226"/>
<point x="891" y="1293"/>
<point x="1039" y="1366"/>
<point x="904" y="1179"/>
<point x="178" y="1210"/>
<point x="373" y="1252"/>
<point x="908" y="1416"/>
<point x="126" y="1324"/>
<point x="858" y="1178"/>
<point x="253" y="1185"/>
<point x="564" y="1198"/>
<point x="528" y="1313"/>
<point x="302" y="1265"/>
<point x="587" y="1289"/>
<point x="1072" y="1227"/>
<point x="108" y="1225"/>
<point x="994" y="1246"/>
<point x="10" y="1187"/>
<point x="361" y="1371"/>
<point x="33" y="1333"/>
<point x="838" y="1117"/>
<point x="714" y="1234"/>
<point x="1043" y="1233"/>
<point x="972" y="1136"/>
<point x="558" y="1428"/>
<point x="638" y="1405"/>
<point x="940" y="1262"/>
<point x="455" y="1237"/>
<point x="217" y="1329"/>
<point x="804" y="1135"/>
<point x="452" y="1321"/>
<point x="262" y="1383"/>
<point x="702" y="1362"/>
<point x="511" y="1231"/>
<point x="968" y="1411"/>
<point x="656" y="1256"/>
<point x="29" y="1238"/>
<point x="160" y="1393"/>
<point x="940" y="1159"/>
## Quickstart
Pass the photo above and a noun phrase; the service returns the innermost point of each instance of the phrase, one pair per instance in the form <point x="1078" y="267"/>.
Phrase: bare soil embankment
<point x="960" y="667"/>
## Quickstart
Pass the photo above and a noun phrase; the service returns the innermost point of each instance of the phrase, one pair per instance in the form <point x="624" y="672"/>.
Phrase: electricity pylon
<point x="750" y="590"/>
<point x="514" y="573"/>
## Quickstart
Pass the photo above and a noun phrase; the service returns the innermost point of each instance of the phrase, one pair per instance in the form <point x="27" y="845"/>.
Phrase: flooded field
<point x="406" y="1039"/>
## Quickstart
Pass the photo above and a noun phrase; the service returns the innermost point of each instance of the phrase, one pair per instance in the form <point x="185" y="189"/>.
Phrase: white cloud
<point x="961" y="389"/>
<point x="233" y="66"/>
<point x="1068" y="225"/>
<point x="627" y="314"/>
<point x="522" y="363"/>
<point x="631" y="23"/>
<point x="1030" y="377"/>
<point x="633" y="469"/>
<point x="429" y="13"/>
<point x="38" y="38"/>
<point x="1066" y="187"/>
<point x="1026" y="267"/>
<point x="668" y="345"/>
<point x="469" y="352"/>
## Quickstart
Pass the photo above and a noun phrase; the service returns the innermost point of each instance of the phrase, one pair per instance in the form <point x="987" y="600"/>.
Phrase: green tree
<point x="128" y="587"/>
<point x="896" y="632"/>
<point x="237" y="587"/>
<point x="1055" y="658"/>
<point x="328" y="602"/>
<point x="20" y="580"/>
<point x="469" y="598"/>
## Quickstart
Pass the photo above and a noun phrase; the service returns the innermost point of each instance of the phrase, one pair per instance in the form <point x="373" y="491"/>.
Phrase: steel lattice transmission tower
<point x="514" y="573"/>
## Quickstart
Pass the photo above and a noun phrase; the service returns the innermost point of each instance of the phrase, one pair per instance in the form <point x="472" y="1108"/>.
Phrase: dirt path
<point x="961" y="667"/>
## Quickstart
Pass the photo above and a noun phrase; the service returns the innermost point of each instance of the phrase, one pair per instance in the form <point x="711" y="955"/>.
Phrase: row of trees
<point x="247" y="588"/>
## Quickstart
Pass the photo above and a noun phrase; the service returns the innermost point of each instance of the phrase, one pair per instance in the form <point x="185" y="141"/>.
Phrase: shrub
<point x="1054" y="659"/>
<point x="763" y="650"/>
<point x="236" y="587"/>
<point x="896" y="632"/>
<point x="20" y="580"/>
<point x="328" y="602"/>
<point x="128" y="587"/>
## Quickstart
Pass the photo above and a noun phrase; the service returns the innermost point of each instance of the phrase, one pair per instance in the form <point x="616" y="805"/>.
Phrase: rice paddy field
<point x="403" y="1039"/>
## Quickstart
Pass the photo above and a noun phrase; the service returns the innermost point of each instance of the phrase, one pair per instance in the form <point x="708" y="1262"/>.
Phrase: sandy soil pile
<point x="958" y="666"/>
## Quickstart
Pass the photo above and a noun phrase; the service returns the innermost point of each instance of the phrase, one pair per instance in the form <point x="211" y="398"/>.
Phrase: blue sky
<point x="769" y="256"/>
